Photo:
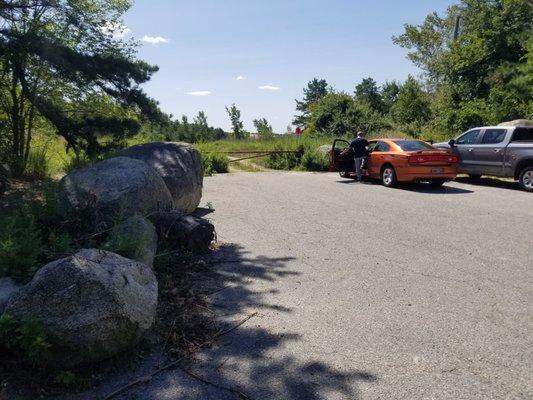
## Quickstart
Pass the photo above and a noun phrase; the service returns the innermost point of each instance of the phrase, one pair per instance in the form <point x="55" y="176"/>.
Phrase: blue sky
<point x="275" y="47"/>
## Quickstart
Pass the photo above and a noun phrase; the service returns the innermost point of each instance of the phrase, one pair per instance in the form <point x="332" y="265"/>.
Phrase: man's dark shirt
<point x="358" y="147"/>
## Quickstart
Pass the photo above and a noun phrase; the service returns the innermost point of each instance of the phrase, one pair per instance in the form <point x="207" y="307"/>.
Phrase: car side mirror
<point x="452" y="143"/>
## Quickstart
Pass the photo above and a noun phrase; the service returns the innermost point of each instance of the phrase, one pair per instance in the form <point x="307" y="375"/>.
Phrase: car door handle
<point x="497" y="150"/>
<point x="470" y="149"/>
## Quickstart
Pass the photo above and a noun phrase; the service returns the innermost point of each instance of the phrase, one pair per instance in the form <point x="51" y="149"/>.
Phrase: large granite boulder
<point x="93" y="305"/>
<point x="180" y="166"/>
<point x="8" y="288"/>
<point x="134" y="238"/>
<point x="117" y="186"/>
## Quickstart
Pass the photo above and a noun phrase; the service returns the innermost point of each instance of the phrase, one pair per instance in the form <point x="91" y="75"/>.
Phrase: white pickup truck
<point x="505" y="150"/>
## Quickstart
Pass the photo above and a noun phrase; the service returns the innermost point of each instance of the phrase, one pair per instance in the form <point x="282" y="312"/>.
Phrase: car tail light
<point x="425" y="158"/>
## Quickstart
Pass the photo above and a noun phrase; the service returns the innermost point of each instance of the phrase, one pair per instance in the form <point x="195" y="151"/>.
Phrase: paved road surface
<point x="364" y="292"/>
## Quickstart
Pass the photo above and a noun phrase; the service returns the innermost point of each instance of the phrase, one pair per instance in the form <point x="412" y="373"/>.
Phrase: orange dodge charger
<point x="397" y="160"/>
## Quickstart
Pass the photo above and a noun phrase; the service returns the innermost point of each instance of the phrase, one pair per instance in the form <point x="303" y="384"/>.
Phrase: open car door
<point x="343" y="164"/>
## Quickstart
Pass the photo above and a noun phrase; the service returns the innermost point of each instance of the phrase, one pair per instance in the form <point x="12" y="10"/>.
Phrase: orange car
<point x="398" y="160"/>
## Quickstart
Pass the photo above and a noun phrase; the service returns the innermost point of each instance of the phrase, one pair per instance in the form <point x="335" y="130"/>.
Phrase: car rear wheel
<point x="474" y="177"/>
<point x="388" y="176"/>
<point x="526" y="179"/>
<point x="344" y="174"/>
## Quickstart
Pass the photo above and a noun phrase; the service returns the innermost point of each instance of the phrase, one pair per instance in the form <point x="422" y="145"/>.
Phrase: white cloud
<point x="115" y="29"/>
<point x="154" y="39"/>
<point x="200" y="93"/>
<point x="269" y="87"/>
<point x="241" y="78"/>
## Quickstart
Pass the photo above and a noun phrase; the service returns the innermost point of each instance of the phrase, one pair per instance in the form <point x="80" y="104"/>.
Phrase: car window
<point x="341" y="144"/>
<point x="380" y="147"/>
<point x="413" y="145"/>
<point x="493" y="136"/>
<point x="469" y="137"/>
<point x="371" y="146"/>
<point x="523" y="135"/>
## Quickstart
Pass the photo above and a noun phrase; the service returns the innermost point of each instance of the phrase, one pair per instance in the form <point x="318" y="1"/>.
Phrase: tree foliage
<point x="339" y="114"/>
<point x="236" y="123"/>
<point x="62" y="61"/>
<point x="483" y="75"/>
<point x="368" y="92"/>
<point x="264" y="129"/>
<point x="315" y="90"/>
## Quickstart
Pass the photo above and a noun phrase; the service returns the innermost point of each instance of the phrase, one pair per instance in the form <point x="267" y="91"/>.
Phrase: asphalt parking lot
<point x="364" y="292"/>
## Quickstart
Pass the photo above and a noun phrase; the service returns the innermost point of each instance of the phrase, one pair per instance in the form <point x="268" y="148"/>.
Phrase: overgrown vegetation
<point x="24" y="340"/>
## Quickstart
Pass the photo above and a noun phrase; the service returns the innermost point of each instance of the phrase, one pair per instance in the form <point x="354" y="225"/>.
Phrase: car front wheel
<point x="526" y="179"/>
<point x="388" y="176"/>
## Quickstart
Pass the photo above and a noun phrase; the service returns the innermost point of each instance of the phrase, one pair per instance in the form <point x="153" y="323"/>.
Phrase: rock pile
<point x="95" y="303"/>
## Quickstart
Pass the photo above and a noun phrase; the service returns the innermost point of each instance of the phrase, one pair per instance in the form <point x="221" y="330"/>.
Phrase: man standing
<point x="359" y="147"/>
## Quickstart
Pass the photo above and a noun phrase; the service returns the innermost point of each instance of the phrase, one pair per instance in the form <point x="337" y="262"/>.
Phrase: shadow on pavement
<point x="490" y="182"/>
<point x="414" y="187"/>
<point x="244" y="353"/>
<point x="250" y="359"/>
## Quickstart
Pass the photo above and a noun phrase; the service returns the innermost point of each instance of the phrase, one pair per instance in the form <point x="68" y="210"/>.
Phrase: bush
<point x="20" y="246"/>
<point x="285" y="161"/>
<point x="314" y="160"/>
<point x="37" y="167"/>
<point x="215" y="162"/>
<point x="24" y="340"/>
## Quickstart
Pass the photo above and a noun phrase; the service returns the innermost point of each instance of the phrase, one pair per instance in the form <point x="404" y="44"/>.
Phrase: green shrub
<point x="314" y="160"/>
<point x="37" y="167"/>
<point x="286" y="161"/>
<point x="215" y="162"/>
<point x="24" y="339"/>
<point x="20" y="246"/>
<point x="76" y="162"/>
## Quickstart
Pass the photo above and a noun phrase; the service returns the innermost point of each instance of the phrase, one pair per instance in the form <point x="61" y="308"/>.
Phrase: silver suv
<point x="503" y="150"/>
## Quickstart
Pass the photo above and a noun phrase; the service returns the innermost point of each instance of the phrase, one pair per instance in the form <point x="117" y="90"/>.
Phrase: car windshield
<point x="413" y="145"/>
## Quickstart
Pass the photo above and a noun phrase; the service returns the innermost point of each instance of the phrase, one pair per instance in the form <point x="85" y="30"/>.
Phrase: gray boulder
<point x="115" y="186"/>
<point x="8" y="288"/>
<point x="324" y="149"/>
<point x="196" y="234"/>
<point x="136" y="239"/>
<point x="92" y="305"/>
<point x="180" y="166"/>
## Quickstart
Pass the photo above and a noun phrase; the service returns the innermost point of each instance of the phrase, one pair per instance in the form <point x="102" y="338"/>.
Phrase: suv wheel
<point x="388" y="176"/>
<point x="526" y="179"/>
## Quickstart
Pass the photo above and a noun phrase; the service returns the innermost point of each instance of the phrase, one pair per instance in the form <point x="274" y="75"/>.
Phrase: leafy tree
<point x="368" y="92"/>
<point x="412" y="108"/>
<point x="201" y="119"/>
<point x="315" y="90"/>
<point x="339" y="115"/>
<point x="481" y="75"/>
<point x="59" y="60"/>
<point x="264" y="129"/>
<point x="389" y="94"/>
<point x="236" y="123"/>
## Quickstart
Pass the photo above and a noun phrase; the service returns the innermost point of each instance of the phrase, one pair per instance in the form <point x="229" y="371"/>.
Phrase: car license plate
<point x="437" y="170"/>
